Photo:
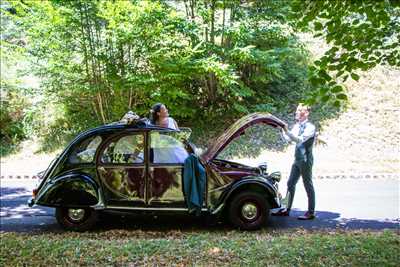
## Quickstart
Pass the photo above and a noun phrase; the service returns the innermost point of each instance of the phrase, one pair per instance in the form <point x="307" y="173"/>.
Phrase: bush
<point x="12" y="130"/>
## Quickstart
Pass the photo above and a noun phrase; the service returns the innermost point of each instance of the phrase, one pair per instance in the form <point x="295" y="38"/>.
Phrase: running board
<point x="147" y="209"/>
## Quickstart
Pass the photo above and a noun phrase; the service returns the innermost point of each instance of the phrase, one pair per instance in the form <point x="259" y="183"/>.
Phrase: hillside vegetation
<point x="362" y="139"/>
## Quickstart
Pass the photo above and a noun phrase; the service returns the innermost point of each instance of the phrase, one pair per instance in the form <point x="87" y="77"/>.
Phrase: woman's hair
<point x="153" y="112"/>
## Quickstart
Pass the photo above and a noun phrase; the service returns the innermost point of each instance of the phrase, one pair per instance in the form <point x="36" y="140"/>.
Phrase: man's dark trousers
<point x="303" y="168"/>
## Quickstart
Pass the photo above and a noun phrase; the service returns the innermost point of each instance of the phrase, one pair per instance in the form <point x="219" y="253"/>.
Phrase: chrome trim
<point x="100" y="205"/>
<point x="76" y="215"/>
<point x="249" y="211"/>
<point x="217" y="210"/>
<point x="120" y="166"/>
<point x="278" y="201"/>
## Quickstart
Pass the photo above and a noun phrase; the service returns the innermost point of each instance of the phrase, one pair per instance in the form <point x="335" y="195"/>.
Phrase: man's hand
<point x="319" y="141"/>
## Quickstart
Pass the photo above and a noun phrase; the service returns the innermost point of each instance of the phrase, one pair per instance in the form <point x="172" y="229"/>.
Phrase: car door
<point x="122" y="169"/>
<point x="167" y="156"/>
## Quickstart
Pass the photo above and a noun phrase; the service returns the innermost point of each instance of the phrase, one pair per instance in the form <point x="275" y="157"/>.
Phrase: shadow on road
<point x="13" y="203"/>
<point x="16" y="216"/>
<point x="330" y="220"/>
<point x="325" y="220"/>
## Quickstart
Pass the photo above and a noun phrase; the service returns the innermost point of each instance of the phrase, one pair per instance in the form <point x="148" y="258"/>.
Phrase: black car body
<point x="139" y="167"/>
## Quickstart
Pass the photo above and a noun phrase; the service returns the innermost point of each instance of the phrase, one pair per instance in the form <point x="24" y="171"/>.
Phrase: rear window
<point x="85" y="151"/>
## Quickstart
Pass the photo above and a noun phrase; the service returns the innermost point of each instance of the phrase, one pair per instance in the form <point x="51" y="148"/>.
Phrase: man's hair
<point x="307" y="107"/>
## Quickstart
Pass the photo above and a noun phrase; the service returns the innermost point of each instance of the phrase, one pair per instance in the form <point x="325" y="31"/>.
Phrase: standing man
<point x="303" y="134"/>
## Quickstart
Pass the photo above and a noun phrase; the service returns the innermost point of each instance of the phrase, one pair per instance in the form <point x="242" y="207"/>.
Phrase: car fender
<point x="69" y="190"/>
<point x="242" y="184"/>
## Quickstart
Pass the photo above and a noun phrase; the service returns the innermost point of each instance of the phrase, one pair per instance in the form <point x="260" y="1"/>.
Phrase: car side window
<point x="85" y="151"/>
<point x="165" y="148"/>
<point x="127" y="149"/>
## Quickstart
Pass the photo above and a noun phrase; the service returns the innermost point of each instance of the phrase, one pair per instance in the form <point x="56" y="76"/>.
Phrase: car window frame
<point x="118" y="136"/>
<point x="153" y="164"/>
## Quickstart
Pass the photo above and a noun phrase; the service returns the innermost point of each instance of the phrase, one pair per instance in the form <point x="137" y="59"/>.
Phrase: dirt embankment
<point x="366" y="137"/>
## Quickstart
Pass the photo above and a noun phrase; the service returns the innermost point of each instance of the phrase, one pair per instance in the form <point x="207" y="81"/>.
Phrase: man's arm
<point x="285" y="136"/>
<point x="308" y="133"/>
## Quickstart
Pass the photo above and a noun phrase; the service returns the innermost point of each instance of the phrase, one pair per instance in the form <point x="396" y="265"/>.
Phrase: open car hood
<point x="238" y="128"/>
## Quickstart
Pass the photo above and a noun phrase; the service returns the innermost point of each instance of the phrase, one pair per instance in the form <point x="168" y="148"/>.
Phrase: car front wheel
<point x="76" y="219"/>
<point x="248" y="210"/>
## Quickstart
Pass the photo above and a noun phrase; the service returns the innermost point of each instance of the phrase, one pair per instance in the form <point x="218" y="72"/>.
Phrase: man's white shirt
<point x="294" y="135"/>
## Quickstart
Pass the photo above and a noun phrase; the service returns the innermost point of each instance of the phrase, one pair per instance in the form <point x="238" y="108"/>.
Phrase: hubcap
<point x="76" y="214"/>
<point x="249" y="211"/>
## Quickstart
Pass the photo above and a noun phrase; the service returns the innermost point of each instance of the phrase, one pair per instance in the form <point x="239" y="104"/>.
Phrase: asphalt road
<point x="341" y="203"/>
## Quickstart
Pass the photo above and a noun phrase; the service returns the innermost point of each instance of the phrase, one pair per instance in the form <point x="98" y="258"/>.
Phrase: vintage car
<point x="139" y="167"/>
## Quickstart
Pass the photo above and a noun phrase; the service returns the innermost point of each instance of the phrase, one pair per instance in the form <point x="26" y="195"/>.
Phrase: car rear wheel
<point x="76" y="219"/>
<point x="248" y="210"/>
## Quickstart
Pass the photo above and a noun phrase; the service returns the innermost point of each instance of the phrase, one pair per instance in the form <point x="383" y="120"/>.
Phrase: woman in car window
<point x="160" y="117"/>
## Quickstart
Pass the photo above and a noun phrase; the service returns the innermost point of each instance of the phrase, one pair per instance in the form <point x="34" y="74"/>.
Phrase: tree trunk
<point x="85" y="52"/>
<point x="130" y="99"/>
<point x="100" y="102"/>
<point x="212" y="30"/>
<point x="186" y="9"/>
<point x="192" y="8"/>
<point x="223" y="23"/>
<point x="95" y="110"/>
<point x="212" y="87"/>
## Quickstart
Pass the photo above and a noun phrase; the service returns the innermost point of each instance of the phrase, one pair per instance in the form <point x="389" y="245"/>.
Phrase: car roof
<point x="122" y="126"/>
<point x="143" y="124"/>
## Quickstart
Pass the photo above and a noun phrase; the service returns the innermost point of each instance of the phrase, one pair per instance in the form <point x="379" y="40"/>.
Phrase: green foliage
<point x="11" y="124"/>
<point x="13" y="101"/>
<point x="361" y="35"/>
<point x="210" y="64"/>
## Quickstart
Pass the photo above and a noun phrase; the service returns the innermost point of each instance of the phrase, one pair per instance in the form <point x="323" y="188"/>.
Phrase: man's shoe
<point x="307" y="216"/>
<point x="281" y="212"/>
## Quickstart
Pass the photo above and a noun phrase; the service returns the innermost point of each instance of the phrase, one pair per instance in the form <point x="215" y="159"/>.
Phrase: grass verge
<point x="223" y="248"/>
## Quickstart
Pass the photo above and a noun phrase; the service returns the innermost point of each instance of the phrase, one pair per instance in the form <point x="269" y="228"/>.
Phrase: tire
<point x="248" y="210"/>
<point x="78" y="220"/>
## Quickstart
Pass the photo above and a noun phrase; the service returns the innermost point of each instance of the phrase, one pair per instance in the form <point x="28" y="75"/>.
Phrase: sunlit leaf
<point x="355" y="76"/>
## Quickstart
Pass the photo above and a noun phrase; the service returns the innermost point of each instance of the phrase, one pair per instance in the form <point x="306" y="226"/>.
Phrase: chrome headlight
<point x="276" y="176"/>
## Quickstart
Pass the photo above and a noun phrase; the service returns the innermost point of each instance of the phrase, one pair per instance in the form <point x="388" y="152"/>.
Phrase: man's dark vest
<point x="303" y="151"/>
